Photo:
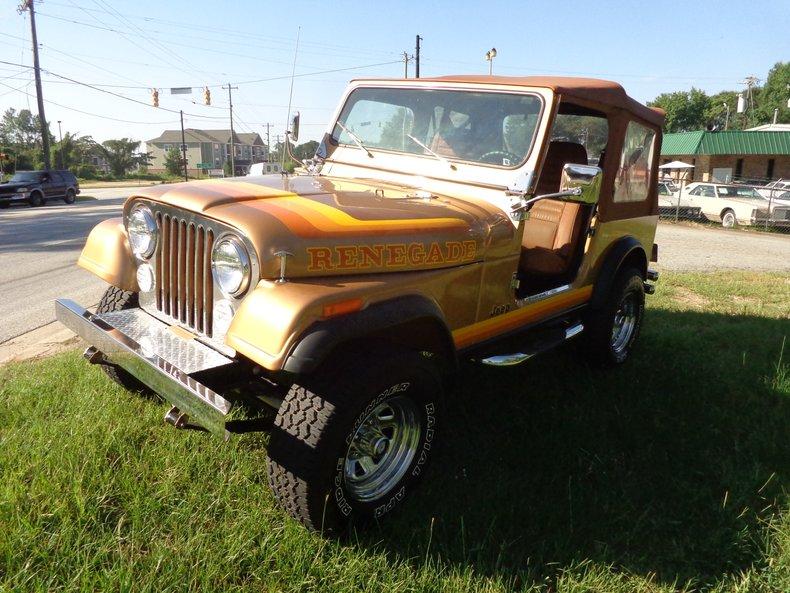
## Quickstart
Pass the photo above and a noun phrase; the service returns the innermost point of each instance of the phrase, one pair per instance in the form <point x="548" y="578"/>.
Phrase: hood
<point x="335" y="226"/>
<point x="10" y="188"/>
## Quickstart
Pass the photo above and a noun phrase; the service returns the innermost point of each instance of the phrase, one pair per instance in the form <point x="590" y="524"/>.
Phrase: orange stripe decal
<point x="489" y="328"/>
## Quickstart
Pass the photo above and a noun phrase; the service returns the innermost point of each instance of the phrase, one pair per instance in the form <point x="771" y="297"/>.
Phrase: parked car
<point x="263" y="169"/>
<point x="779" y="207"/>
<point x="729" y="204"/>
<point x="443" y="219"/>
<point x="672" y="204"/>
<point x="773" y="189"/>
<point x="36" y="187"/>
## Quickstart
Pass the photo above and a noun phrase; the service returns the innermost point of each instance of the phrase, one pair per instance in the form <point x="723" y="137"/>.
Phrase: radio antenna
<point x="290" y="97"/>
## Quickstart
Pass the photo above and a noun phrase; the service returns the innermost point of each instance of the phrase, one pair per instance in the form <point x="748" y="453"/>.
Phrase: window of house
<point x="769" y="171"/>
<point x="738" y="168"/>
<point x="633" y="176"/>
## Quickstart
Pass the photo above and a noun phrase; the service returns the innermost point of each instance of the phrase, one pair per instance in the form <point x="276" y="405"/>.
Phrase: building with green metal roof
<point x="754" y="156"/>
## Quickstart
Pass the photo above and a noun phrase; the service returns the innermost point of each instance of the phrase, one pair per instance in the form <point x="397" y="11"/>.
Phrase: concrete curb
<point x="39" y="343"/>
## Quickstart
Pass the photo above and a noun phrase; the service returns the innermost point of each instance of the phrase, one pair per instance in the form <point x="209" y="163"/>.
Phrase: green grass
<point x="672" y="473"/>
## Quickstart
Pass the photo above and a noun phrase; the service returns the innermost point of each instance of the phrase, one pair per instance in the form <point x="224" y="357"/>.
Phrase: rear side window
<point x="633" y="175"/>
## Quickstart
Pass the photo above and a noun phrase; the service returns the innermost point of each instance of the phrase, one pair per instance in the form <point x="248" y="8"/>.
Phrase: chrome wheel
<point x="624" y="323"/>
<point x="382" y="449"/>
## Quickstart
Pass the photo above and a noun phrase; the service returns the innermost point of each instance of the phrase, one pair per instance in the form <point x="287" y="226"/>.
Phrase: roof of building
<point x="605" y="92"/>
<point x="218" y="136"/>
<point x="730" y="142"/>
<point x="770" y="128"/>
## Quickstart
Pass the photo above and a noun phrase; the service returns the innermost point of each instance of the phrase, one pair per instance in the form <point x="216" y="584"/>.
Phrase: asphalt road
<point x="39" y="248"/>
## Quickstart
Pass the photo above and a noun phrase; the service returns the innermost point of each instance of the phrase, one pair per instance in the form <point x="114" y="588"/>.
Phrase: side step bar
<point x="507" y="360"/>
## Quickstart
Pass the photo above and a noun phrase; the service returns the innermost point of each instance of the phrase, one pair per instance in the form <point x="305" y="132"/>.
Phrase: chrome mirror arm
<point x="525" y="205"/>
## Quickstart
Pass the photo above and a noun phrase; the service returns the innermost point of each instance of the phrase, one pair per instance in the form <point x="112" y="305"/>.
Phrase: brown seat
<point x="554" y="227"/>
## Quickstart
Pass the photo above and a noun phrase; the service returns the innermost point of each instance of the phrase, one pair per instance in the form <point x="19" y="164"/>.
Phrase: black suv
<point x="36" y="187"/>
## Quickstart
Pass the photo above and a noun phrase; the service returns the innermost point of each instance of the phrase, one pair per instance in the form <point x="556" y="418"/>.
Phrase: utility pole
<point x="60" y="133"/>
<point x="184" y="147"/>
<point x="405" y="65"/>
<point x="28" y="5"/>
<point x="417" y="58"/>
<point x="268" y="144"/>
<point x="232" y="151"/>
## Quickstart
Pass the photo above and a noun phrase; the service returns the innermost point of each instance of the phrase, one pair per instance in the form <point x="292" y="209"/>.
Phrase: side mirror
<point x="581" y="182"/>
<point x="294" y="133"/>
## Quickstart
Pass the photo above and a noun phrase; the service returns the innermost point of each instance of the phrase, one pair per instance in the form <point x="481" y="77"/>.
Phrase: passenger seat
<point x="554" y="227"/>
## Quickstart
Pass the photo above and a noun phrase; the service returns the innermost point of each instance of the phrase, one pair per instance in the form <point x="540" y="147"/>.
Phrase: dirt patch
<point x="689" y="299"/>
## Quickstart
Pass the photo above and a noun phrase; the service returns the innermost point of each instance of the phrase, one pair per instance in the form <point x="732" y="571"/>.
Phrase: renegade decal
<point x="393" y="255"/>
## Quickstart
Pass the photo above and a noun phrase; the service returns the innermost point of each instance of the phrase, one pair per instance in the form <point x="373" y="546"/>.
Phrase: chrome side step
<point x="507" y="360"/>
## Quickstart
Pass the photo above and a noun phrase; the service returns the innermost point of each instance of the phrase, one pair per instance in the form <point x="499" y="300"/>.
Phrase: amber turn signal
<point x="342" y="307"/>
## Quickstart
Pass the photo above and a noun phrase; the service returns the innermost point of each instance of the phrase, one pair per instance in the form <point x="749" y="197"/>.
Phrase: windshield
<point x="479" y="127"/>
<point x="739" y="192"/>
<point x="24" y="177"/>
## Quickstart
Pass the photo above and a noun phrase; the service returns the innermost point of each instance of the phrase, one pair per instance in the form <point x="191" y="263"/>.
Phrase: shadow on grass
<point x="668" y="466"/>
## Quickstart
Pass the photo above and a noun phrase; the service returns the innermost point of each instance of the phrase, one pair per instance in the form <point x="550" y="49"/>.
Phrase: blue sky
<point x="648" y="47"/>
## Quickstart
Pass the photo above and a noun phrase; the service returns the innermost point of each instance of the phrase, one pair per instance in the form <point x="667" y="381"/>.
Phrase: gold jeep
<point x="464" y="217"/>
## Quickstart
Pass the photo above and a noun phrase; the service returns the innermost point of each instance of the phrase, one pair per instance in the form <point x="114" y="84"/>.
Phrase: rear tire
<point x="70" y="196"/>
<point x="351" y="447"/>
<point x="116" y="299"/>
<point x="728" y="219"/>
<point x="612" y="330"/>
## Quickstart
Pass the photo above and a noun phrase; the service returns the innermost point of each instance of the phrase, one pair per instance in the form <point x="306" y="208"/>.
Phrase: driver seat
<point x="554" y="227"/>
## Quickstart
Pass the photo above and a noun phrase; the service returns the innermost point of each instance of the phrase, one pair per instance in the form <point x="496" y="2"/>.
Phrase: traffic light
<point x="155" y="97"/>
<point x="206" y="96"/>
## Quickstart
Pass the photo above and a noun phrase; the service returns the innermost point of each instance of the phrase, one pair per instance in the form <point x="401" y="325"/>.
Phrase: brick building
<point x="752" y="156"/>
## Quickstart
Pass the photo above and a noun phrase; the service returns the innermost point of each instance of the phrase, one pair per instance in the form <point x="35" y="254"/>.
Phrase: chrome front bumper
<point x="146" y="348"/>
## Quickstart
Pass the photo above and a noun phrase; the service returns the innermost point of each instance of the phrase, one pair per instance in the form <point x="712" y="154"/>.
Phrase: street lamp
<point x="60" y="133"/>
<point x="490" y="55"/>
<point x="727" y="117"/>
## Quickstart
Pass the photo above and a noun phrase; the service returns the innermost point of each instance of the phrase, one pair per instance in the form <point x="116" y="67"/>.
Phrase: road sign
<point x="203" y="165"/>
<point x="181" y="90"/>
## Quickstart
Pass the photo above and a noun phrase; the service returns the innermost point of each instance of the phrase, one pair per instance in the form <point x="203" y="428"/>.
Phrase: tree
<point x="75" y="150"/>
<point x="716" y="112"/>
<point x="173" y="161"/>
<point x="20" y="135"/>
<point x="774" y="95"/>
<point x="686" y="110"/>
<point x="306" y="151"/>
<point x="122" y="155"/>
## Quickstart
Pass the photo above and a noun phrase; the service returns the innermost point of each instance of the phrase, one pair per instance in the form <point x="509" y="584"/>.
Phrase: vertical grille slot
<point x="185" y="287"/>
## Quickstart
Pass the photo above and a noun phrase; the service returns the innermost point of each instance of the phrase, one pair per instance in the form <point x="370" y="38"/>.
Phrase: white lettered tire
<point x="351" y="446"/>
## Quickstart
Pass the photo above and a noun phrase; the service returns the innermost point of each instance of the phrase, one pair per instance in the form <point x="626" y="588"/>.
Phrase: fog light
<point x="145" y="277"/>
<point x="223" y="315"/>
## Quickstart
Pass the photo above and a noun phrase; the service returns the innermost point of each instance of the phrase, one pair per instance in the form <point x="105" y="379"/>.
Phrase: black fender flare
<point x="625" y="249"/>
<point x="414" y="321"/>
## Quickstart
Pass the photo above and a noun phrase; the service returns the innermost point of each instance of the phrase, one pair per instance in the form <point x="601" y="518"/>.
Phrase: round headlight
<point x="230" y="263"/>
<point x="141" y="227"/>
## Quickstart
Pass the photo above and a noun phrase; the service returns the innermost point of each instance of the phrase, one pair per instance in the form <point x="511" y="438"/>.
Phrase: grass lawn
<point x="671" y="473"/>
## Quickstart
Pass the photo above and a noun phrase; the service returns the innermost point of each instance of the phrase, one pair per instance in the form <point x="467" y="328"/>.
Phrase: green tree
<point x="75" y="150"/>
<point x="686" y="110"/>
<point x="305" y="151"/>
<point x="774" y="94"/>
<point x="122" y="155"/>
<point x="20" y="135"/>
<point x="173" y="161"/>
<point x="716" y="112"/>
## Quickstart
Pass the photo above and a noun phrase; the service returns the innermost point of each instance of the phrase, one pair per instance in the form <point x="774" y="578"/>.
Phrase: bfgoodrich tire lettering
<point x="612" y="330"/>
<point x="316" y="440"/>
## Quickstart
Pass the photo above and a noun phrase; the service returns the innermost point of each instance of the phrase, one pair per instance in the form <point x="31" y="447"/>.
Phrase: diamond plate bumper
<point x="144" y="346"/>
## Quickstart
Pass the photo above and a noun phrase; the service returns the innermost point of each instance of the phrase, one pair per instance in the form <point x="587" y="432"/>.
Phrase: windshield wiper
<point x="431" y="152"/>
<point x="355" y="138"/>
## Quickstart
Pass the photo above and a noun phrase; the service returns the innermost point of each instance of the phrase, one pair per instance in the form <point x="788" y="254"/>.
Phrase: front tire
<point x="612" y="330"/>
<point x="116" y="299"/>
<point x="351" y="447"/>
<point x="36" y="199"/>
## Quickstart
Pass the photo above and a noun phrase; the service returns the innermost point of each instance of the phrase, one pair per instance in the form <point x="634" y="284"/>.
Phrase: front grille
<point x="184" y="284"/>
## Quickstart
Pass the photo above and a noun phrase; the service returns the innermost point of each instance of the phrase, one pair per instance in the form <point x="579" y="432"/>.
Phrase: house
<point x="754" y="156"/>
<point x="209" y="148"/>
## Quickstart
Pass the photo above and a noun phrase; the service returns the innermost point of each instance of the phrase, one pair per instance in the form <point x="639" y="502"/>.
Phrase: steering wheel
<point x="495" y="157"/>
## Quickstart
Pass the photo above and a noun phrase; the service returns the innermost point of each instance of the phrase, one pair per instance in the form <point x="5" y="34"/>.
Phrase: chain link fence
<point x="744" y="202"/>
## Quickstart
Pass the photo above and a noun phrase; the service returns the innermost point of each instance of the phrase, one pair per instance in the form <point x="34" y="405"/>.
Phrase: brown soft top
<point x="605" y="92"/>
